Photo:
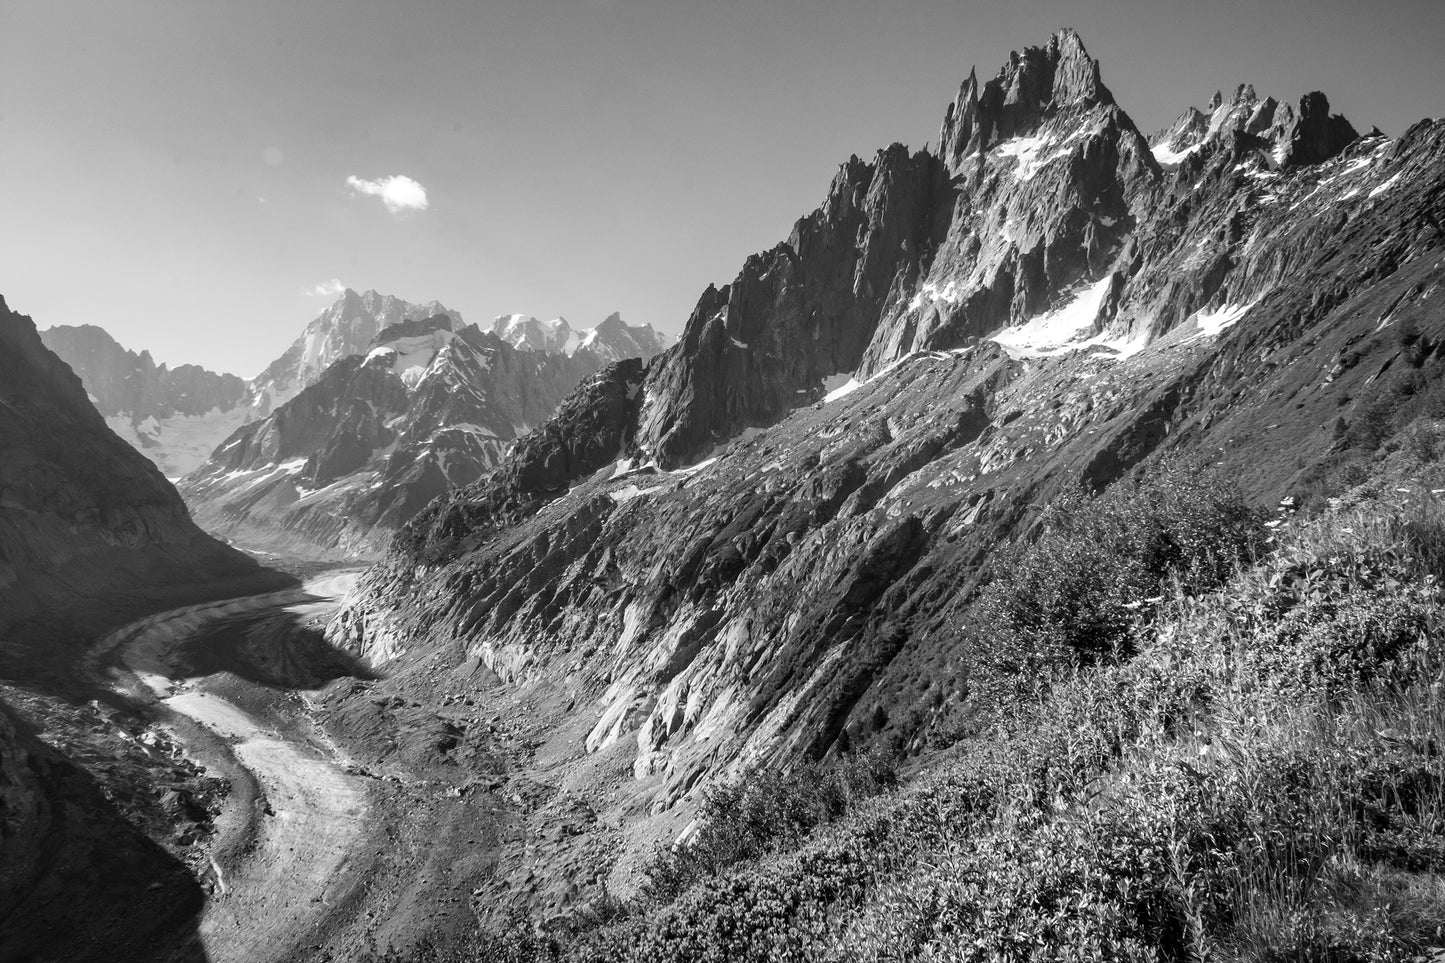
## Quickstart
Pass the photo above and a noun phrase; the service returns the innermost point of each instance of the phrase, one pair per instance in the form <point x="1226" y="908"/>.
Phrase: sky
<point x="201" y="177"/>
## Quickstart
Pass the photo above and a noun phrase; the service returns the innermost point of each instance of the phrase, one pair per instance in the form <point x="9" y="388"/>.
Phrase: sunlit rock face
<point x="346" y="328"/>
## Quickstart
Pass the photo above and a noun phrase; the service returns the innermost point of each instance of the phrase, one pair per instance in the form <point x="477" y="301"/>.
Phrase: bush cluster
<point x="1074" y="594"/>
<point x="768" y="810"/>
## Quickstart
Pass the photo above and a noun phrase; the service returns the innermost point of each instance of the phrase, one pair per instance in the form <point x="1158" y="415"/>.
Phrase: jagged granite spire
<point x="1313" y="134"/>
<point x="1310" y="135"/>
<point x="1035" y="83"/>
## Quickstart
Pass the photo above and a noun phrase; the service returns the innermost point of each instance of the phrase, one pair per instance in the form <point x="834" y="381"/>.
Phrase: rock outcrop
<point x="1309" y="135"/>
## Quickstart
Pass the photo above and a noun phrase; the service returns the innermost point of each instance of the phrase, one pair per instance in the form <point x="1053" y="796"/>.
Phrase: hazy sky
<point x="183" y="172"/>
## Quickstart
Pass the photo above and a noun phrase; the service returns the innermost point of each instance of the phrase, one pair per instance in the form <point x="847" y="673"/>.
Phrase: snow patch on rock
<point x="1058" y="330"/>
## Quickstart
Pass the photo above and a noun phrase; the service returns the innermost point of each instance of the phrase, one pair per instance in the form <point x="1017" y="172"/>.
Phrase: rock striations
<point x="764" y="536"/>
<point x="175" y="416"/>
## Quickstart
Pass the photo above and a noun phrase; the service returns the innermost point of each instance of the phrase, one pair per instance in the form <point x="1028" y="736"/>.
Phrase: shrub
<point x="1374" y="423"/>
<point x="1422" y="441"/>
<point x="1073" y="595"/>
<point x="766" y="810"/>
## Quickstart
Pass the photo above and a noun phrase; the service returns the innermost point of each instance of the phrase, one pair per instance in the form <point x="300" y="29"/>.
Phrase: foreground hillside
<point x="766" y="547"/>
<point x="1240" y="763"/>
<point x="82" y="514"/>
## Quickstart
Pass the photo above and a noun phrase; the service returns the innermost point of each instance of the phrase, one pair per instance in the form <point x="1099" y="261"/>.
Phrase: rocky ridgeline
<point x="764" y="537"/>
<point x="427" y="407"/>
<point x="174" y="416"/>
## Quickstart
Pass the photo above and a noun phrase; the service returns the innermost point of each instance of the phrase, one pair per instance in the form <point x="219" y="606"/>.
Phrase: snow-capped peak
<point x="612" y="339"/>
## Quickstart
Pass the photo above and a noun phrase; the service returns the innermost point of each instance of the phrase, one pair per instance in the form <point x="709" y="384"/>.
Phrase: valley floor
<point x="200" y="732"/>
<point x="284" y="855"/>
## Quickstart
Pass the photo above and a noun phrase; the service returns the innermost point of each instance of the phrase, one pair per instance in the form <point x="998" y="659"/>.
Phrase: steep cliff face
<point x="347" y="327"/>
<point x="1046" y="301"/>
<point x="175" y="416"/>
<point x="797" y="314"/>
<point x="337" y="469"/>
<point x="82" y="514"/>
<point x="1039" y="178"/>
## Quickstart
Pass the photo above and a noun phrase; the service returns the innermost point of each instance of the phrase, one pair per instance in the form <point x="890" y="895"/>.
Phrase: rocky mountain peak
<point x="336" y="469"/>
<point x="407" y="348"/>
<point x="1312" y="134"/>
<point x="412" y="328"/>
<point x="526" y="333"/>
<point x="174" y="416"/>
<point x="1035" y="83"/>
<point x="611" y="340"/>
<point x="347" y="327"/>
<point x="1309" y="135"/>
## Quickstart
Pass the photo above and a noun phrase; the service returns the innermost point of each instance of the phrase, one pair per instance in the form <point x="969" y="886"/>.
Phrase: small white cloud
<point x="398" y="192"/>
<point x="327" y="289"/>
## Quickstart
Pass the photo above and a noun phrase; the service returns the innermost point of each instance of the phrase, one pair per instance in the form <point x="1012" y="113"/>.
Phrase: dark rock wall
<point x="82" y="514"/>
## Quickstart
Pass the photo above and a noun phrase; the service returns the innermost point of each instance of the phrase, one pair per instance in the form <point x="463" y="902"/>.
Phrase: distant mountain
<point x="175" y="416"/>
<point x="345" y="328"/>
<point x="612" y="340"/>
<point x="425" y="409"/>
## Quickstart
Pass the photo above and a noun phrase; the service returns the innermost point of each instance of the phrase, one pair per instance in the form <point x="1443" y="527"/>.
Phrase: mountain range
<point x="1036" y="554"/>
<point x="178" y="417"/>
<point x="174" y="416"/>
<point x="612" y="340"/>
<point x="759" y="546"/>
<point x="338" y="468"/>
